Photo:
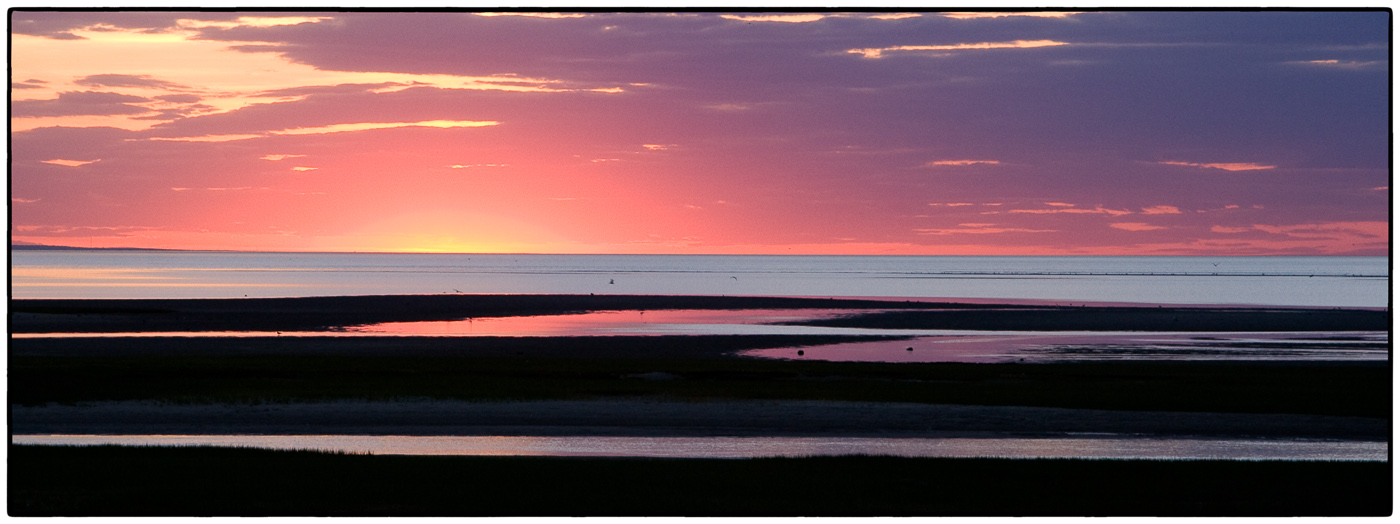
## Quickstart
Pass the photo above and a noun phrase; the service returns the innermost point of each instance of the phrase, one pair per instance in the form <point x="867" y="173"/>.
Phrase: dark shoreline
<point x="324" y="313"/>
<point x="134" y="481"/>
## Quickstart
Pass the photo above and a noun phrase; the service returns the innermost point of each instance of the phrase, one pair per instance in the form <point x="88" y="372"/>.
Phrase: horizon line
<point x="54" y="247"/>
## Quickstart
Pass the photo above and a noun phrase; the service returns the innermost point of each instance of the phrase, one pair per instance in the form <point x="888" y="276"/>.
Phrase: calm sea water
<point x="1282" y="281"/>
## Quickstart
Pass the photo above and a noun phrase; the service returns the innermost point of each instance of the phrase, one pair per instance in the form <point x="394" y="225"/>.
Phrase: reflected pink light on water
<point x="920" y="346"/>
<point x="599" y="322"/>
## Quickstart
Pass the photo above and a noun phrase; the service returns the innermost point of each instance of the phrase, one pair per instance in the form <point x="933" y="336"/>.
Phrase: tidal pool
<point x="1082" y="446"/>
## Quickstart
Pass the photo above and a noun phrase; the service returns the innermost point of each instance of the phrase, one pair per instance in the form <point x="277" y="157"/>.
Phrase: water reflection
<point x="748" y="447"/>
<point x="633" y="322"/>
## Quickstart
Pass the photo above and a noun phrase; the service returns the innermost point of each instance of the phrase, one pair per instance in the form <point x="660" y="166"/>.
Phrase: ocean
<point x="1270" y="281"/>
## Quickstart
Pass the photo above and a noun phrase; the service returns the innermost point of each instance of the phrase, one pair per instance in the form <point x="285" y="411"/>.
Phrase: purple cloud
<point x="72" y="103"/>
<point x="113" y="80"/>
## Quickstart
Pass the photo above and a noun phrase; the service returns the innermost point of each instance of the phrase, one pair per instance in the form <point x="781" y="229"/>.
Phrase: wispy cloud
<point x="937" y="163"/>
<point x="208" y="138"/>
<point x="469" y="166"/>
<point x="1033" y="14"/>
<point x="1229" y="230"/>
<point x="69" y="163"/>
<point x="1329" y="230"/>
<point x="1228" y="166"/>
<point x="333" y="128"/>
<point x="535" y="15"/>
<point x="878" y="52"/>
<point x="303" y="168"/>
<point x="19" y="200"/>
<point x="797" y="18"/>
<point x="365" y="126"/>
<point x="275" y="158"/>
<point x="1098" y="210"/>
<point x="895" y="16"/>
<point x="244" y="188"/>
<point x="978" y="229"/>
<point x="113" y="80"/>
<point x="729" y="107"/>
<point x="1135" y="226"/>
<point x="252" y="21"/>
<point x="792" y="18"/>
<point x="1161" y="210"/>
<point x="1338" y="64"/>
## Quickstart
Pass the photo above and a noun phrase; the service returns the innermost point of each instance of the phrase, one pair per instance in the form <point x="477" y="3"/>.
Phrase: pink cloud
<point x="1227" y="166"/>
<point x="1135" y="226"/>
<point x="879" y="52"/>
<point x="1161" y="210"/>
<point x="1034" y="14"/>
<point x="1333" y="230"/>
<point x="979" y="229"/>
<point x="1097" y="210"/>
<point x="69" y="163"/>
<point x="936" y="163"/>
<point x="1224" y="229"/>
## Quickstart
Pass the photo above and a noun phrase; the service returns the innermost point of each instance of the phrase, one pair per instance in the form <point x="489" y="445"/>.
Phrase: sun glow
<point x="451" y="231"/>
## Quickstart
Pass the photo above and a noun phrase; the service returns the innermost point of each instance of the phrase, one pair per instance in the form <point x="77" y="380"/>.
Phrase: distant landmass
<point x="45" y="247"/>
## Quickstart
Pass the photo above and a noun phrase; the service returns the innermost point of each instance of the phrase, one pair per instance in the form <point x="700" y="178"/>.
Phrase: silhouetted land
<point x="117" y="481"/>
<point x="273" y="369"/>
<point x="408" y="385"/>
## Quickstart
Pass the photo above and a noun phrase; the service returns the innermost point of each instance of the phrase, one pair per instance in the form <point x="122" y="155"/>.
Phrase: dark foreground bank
<point x="118" y="481"/>
<point x="321" y="313"/>
<point x="273" y="370"/>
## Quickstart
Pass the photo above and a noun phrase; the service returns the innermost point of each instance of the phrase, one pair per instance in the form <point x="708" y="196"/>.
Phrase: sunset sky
<point x="1095" y="133"/>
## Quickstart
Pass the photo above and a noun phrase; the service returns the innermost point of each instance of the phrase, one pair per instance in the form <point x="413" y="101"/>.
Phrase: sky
<point x="910" y="133"/>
